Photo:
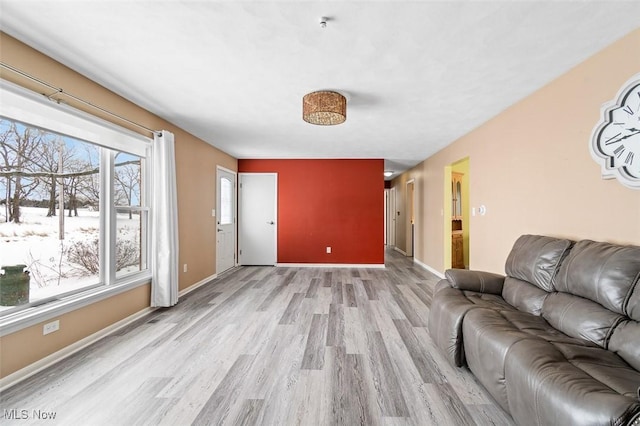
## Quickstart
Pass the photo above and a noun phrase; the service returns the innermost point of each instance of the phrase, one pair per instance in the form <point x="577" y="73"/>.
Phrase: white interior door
<point x="258" y="211"/>
<point x="225" y="218"/>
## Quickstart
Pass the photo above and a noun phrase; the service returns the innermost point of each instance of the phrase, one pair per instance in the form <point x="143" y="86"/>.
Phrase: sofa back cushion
<point x="523" y="296"/>
<point x="605" y="273"/>
<point x="598" y="297"/>
<point x="536" y="259"/>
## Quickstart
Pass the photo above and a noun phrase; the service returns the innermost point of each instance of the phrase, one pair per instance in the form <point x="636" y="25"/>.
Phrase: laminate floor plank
<point x="327" y="279"/>
<point x="336" y="293"/>
<point x="355" y="340"/>
<point x="350" y="295"/>
<point x="218" y="406"/>
<point x="273" y="294"/>
<point x="249" y="412"/>
<point x="424" y="296"/>
<point x="370" y="289"/>
<point x="313" y="358"/>
<point x="409" y="311"/>
<point x="313" y="288"/>
<point x="488" y="414"/>
<point x="352" y="400"/>
<point x="335" y="326"/>
<point x="292" y="311"/>
<point x="456" y="407"/>
<point x="390" y="398"/>
<point x="270" y="346"/>
<point x="421" y="358"/>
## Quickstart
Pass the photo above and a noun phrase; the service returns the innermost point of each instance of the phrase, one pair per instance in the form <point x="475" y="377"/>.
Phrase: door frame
<point x="391" y="242"/>
<point x="276" y="224"/>
<point x="216" y="216"/>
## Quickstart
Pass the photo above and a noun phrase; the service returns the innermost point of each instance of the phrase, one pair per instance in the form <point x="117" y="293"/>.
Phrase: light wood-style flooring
<point x="269" y="346"/>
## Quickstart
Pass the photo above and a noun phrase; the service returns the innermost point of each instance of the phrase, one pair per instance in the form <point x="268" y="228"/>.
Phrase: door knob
<point x="219" y="230"/>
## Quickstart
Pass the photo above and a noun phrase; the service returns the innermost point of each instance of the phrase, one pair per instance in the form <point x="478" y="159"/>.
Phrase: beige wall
<point x="531" y="167"/>
<point x="196" y="163"/>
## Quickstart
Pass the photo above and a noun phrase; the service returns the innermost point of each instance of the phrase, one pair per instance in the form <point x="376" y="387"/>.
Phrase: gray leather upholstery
<point x="535" y="259"/>
<point x="561" y="343"/>
<point x="483" y="282"/>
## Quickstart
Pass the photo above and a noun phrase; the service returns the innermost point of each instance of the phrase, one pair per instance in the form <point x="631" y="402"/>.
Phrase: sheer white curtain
<point x="164" y="223"/>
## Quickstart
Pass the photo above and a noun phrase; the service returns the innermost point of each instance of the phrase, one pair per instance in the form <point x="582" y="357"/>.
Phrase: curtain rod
<point x="60" y="91"/>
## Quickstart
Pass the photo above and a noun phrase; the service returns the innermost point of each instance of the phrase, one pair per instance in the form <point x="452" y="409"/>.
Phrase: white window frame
<point x="28" y="107"/>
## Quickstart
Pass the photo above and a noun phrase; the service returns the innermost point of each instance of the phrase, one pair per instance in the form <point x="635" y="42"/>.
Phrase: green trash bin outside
<point x="14" y="285"/>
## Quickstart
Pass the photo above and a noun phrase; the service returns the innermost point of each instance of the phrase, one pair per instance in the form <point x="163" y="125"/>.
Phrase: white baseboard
<point x="428" y="268"/>
<point x="196" y="285"/>
<point x="28" y="371"/>
<point x="404" y="253"/>
<point x="332" y="265"/>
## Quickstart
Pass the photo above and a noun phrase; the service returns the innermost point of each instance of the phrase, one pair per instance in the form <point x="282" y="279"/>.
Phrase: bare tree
<point x="127" y="183"/>
<point x="88" y="186"/>
<point x="5" y="134"/>
<point x="19" y="152"/>
<point x="51" y="151"/>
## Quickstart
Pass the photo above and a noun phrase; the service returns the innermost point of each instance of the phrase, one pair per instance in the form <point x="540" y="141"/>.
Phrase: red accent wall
<point x="336" y="203"/>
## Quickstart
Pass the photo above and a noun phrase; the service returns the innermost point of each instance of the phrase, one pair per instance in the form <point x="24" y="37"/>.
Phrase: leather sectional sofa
<point x="556" y="341"/>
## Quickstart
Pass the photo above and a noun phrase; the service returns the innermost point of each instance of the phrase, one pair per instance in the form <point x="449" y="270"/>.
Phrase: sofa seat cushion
<point x="488" y="337"/>
<point x="546" y="388"/>
<point x="538" y="327"/>
<point x="585" y="372"/>
<point x="448" y="308"/>
<point x="604" y="366"/>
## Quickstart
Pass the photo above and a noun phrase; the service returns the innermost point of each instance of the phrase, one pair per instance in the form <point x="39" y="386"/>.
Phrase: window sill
<point x="37" y="314"/>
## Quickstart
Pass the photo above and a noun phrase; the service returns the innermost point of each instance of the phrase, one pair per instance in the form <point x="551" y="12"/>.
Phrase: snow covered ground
<point x="36" y="243"/>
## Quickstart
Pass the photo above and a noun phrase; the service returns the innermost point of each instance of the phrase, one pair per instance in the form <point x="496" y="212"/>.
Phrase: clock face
<point x="616" y="139"/>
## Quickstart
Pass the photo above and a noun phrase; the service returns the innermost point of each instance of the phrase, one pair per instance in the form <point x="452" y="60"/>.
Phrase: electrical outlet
<point x="51" y="327"/>
<point x="329" y="250"/>
<point x="184" y="268"/>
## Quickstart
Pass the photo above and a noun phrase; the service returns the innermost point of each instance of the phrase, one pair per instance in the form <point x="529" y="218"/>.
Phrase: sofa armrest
<point x="480" y="281"/>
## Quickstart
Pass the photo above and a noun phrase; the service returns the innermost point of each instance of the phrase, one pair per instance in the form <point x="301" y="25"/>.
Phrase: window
<point x="73" y="200"/>
<point x="226" y="201"/>
<point x="131" y="215"/>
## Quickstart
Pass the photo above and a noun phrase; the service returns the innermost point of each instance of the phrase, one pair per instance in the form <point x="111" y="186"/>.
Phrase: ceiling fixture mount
<point x="323" y="22"/>
<point x="324" y="108"/>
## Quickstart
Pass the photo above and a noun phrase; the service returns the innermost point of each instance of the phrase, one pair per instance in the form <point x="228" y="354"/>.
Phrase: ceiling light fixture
<point x="388" y="173"/>
<point x="324" y="108"/>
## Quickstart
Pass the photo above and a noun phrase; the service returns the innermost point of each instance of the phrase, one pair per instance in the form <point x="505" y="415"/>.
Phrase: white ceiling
<point x="417" y="75"/>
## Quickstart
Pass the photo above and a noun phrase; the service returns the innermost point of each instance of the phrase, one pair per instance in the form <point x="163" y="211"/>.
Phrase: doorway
<point x="456" y="215"/>
<point x="225" y="219"/>
<point x="410" y="217"/>
<point x="258" y="213"/>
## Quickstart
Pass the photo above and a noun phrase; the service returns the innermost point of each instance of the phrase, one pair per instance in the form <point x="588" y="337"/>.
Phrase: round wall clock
<point x="615" y="141"/>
